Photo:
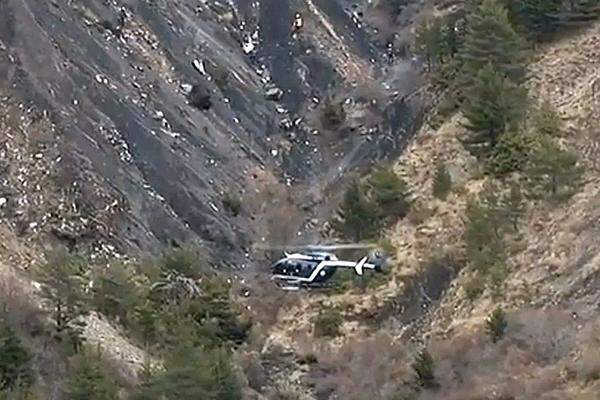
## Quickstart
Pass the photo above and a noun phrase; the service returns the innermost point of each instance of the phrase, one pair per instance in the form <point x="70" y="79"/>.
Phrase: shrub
<point x="115" y="293"/>
<point x="90" y="380"/>
<point x="209" y="319"/>
<point x="192" y="373"/>
<point x="474" y="287"/>
<point x="424" y="370"/>
<point x="554" y="171"/>
<point x="546" y="120"/>
<point x="15" y="368"/>
<point x="484" y="236"/>
<point x="511" y="153"/>
<point x="496" y="324"/>
<point x="328" y="324"/>
<point x="186" y="261"/>
<point x="442" y="181"/>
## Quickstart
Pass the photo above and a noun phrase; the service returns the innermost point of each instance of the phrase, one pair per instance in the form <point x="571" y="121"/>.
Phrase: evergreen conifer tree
<point x="555" y="169"/>
<point x="493" y="106"/>
<point x="513" y="205"/>
<point x="64" y="285"/>
<point x="89" y="380"/>
<point x="192" y="373"/>
<point x="491" y="39"/>
<point x="114" y="293"/>
<point x="15" y="369"/>
<point x="539" y="16"/>
<point x="389" y="193"/>
<point x="428" y="42"/>
<point x="358" y="216"/>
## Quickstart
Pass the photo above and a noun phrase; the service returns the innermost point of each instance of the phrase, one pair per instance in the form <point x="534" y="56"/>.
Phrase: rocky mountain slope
<point x="550" y="294"/>
<point x="159" y="111"/>
<point x="127" y="127"/>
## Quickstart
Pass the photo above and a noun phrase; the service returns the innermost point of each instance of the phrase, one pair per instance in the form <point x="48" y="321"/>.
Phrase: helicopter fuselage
<point x="313" y="268"/>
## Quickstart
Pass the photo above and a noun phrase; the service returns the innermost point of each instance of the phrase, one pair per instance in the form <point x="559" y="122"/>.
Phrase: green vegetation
<point x="186" y="261"/>
<point x="496" y="325"/>
<point x="328" y="323"/>
<point x="483" y="236"/>
<point x="492" y="42"/>
<point x="15" y="369"/>
<point x="546" y="120"/>
<point x="424" y="368"/>
<point x="511" y="153"/>
<point x="90" y="380"/>
<point x="193" y="373"/>
<point x="177" y="300"/>
<point x="494" y="106"/>
<point x="513" y="205"/>
<point x="358" y="215"/>
<point x="390" y="193"/>
<point x="64" y="286"/>
<point x="554" y="172"/>
<point x="115" y="293"/>
<point x="366" y="208"/>
<point x="442" y="181"/>
<point x="538" y="18"/>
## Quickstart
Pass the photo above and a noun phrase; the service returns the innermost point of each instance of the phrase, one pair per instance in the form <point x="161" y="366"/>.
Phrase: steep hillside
<point x="131" y="127"/>
<point x="550" y="294"/>
<point x="169" y="109"/>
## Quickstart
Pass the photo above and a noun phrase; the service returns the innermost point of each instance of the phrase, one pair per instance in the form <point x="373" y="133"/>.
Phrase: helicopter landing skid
<point x="294" y="286"/>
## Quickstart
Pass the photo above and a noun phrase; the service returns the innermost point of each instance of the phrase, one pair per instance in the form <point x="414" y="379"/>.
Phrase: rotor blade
<point x="341" y="246"/>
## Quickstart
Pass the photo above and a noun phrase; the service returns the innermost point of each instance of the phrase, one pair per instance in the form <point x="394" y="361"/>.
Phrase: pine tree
<point x="226" y="383"/>
<point x="358" y="216"/>
<point x="63" y="284"/>
<point x="192" y="373"/>
<point x="491" y="39"/>
<point x="492" y="203"/>
<point x="114" y="293"/>
<point x="513" y="205"/>
<point x="15" y="370"/>
<point x="89" y="380"/>
<point x="496" y="324"/>
<point x="428" y="42"/>
<point x="555" y="169"/>
<point x="539" y="16"/>
<point x="482" y="235"/>
<point x="579" y="12"/>
<point x="425" y="370"/>
<point x="493" y="106"/>
<point x="390" y="193"/>
<point x="146" y="320"/>
<point x="442" y="181"/>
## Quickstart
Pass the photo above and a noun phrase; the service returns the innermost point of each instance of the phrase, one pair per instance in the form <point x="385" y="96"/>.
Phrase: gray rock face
<point x="170" y="105"/>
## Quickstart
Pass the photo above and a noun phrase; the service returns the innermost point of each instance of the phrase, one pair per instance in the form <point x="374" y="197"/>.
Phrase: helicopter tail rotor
<point x="378" y="258"/>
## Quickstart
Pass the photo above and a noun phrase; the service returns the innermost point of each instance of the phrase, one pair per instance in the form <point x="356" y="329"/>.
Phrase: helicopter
<point x="312" y="266"/>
